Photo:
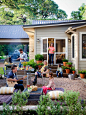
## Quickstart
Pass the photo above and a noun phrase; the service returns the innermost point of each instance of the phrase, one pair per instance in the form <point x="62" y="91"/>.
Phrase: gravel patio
<point x="66" y="83"/>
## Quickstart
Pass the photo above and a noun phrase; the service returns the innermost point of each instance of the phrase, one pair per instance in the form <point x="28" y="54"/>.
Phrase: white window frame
<point x="81" y="59"/>
<point x="74" y="47"/>
<point x="66" y="45"/>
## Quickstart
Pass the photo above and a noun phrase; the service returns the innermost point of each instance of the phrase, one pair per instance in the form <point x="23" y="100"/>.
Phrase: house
<point x="68" y="37"/>
<point x="13" y="34"/>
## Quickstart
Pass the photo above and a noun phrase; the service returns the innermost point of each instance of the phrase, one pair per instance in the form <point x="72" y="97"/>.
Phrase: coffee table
<point x="35" y="95"/>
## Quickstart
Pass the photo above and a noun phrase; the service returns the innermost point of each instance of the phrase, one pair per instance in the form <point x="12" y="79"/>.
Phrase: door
<point x="61" y="50"/>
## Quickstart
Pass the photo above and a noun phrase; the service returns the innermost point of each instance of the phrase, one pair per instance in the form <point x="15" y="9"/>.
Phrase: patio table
<point x="35" y="95"/>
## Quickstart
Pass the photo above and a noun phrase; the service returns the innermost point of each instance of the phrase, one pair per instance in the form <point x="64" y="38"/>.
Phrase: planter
<point x="82" y="75"/>
<point x="64" y="63"/>
<point x="73" y="72"/>
<point x="71" y="76"/>
<point x="39" y="66"/>
<point x="64" y="71"/>
<point x="68" y="65"/>
<point x="24" y="66"/>
<point x="38" y="62"/>
<point x="67" y="70"/>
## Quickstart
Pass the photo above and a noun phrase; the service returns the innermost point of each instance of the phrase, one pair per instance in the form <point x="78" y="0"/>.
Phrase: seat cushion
<point x="55" y="94"/>
<point x="6" y="90"/>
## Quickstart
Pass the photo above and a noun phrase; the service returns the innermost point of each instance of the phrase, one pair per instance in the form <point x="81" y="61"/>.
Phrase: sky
<point x="69" y="5"/>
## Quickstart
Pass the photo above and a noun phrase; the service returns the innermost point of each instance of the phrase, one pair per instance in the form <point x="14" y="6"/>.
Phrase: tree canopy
<point x="80" y="14"/>
<point x="21" y="11"/>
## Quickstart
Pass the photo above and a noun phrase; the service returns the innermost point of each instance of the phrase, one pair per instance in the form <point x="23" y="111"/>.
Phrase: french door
<point x="61" y="49"/>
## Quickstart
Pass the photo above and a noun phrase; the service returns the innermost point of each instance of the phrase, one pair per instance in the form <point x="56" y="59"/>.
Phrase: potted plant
<point x="67" y="70"/>
<point x="69" y="64"/>
<point x="40" y="65"/>
<point x="73" y="70"/>
<point x="32" y="64"/>
<point x="65" y="61"/>
<point x="39" y="58"/>
<point x="24" y="64"/>
<point x="82" y="73"/>
<point x="63" y="68"/>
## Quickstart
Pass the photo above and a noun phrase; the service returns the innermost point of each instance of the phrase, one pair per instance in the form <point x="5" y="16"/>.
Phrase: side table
<point x="35" y="95"/>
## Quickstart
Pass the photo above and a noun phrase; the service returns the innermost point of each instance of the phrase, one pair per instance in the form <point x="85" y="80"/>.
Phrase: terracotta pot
<point x="24" y="66"/>
<point x="67" y="70"/>
<point x="39" y="66"/>
<point x="64" y="63"/>
<point x="82" y="75"/>
<point x="73" y="72"/>
<point x="38" y="62"/>
<point x="64" y="71"/>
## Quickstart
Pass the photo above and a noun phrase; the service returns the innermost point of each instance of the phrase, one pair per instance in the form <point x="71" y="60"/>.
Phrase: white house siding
<point x="82" y="64"/>
<point x="52" y="32"/>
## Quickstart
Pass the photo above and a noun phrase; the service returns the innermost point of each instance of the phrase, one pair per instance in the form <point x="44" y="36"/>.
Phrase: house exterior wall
<point x="82" y="63"/>
<point x="52" y="32"/>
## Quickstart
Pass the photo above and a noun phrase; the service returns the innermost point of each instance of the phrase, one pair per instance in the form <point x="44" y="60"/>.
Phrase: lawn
<point x="1" y="70"/>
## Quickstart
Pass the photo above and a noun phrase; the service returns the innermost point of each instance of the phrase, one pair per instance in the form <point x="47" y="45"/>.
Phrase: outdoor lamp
<point x="69" y="40"/>
<point x="38" y="40"/>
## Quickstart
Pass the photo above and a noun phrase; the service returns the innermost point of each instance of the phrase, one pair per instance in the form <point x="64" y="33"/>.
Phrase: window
<point x="83" y="46"/>
<point x="72" y="46"/>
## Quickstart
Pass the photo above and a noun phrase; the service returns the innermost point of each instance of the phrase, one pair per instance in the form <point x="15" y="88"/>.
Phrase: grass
<point x="1" y="70"/>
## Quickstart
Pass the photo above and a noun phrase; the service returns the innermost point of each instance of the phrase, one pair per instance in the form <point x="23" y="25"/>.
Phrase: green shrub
<point x="73" y="68"/>
<point x="63" y="67"/>
<point x="39" y="57"/>
<point x="32" y="63"/>
<point x="19" y="99"/>
<point x="82" y="71"/>
<point x="65" y="60"/>
<point x="69" y="63"/>
<point x="40" y="64"/>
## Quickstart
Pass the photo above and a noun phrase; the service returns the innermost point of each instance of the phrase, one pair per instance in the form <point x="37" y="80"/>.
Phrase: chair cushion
<point x="55" y="94"/>
<point x="6" y="90"/>
<point x="34" y="88"/>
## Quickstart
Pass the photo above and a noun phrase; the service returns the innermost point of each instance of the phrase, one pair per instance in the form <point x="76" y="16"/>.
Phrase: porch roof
<point x="12" y="31"/>
<point x="54" y="23"/>
<point x="73" y="28"/>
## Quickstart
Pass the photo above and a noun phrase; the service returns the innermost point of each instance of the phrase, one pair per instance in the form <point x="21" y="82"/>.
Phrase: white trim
<point x="78" y="27"/>
<point x="55" y="38"/>
<point x="74" y="46"/>
<point x="42" y="38"/>
<point x="81" y="59"/>
<point x="14" y="40"/>
<point x="34" y="44"/>
<point x="48" y="25"/>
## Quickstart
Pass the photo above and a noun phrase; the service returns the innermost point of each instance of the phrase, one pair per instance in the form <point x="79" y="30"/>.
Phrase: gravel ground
<point x="66" y="83"/>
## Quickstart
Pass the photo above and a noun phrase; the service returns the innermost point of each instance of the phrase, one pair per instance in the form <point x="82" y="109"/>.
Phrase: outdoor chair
<point x="5" y="76"/>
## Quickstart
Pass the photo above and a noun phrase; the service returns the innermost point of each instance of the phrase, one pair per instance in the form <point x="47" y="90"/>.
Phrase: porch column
<point x="31" y="47"/>
<point x="77" y="53"/>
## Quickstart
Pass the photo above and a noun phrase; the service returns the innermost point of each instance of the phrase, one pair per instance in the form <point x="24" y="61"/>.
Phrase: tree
<point x="21" y="11"/>
<point x="80" y="14"/>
